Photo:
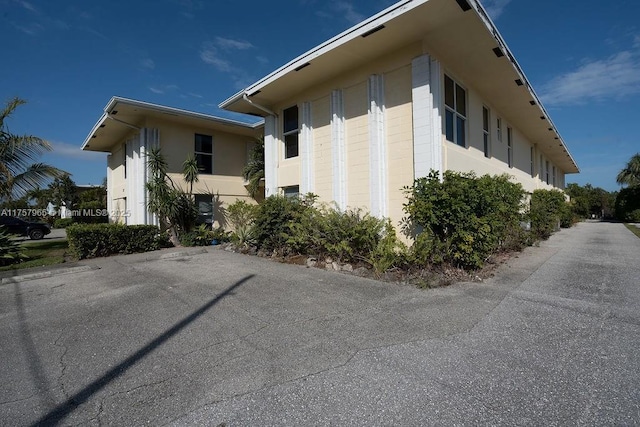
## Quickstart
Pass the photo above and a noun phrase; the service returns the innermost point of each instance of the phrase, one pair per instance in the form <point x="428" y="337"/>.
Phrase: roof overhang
<point x="459" y="33"/>
<point x="121" y="115"/>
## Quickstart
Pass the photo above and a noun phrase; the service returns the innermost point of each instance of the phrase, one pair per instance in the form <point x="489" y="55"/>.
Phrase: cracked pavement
<point x="213" y="337"/>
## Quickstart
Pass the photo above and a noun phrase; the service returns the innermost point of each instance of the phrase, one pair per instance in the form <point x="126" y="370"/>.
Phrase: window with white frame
<point x="204" y="153"/>
<point x="292" y="191"/>
<point x="541" y="167"/>
<point x="509" y="147"/>
<point x="546" y="171"/>
<point x="290" y="131"/>
<point x="204" y="202"/>
<point x="553" y="175"/>
<point x="499" y="129"/>
<point x="533" y="171"/>
<point x="486" y="136"/>
<point x="455" y="100"/>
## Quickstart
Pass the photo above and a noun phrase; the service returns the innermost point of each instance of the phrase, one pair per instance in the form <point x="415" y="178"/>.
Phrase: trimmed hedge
<point x="63" y="222"/>
<point x="98" y="240"/>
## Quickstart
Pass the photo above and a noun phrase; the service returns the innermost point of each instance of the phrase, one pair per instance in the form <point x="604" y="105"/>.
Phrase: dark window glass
<point x="204" y="202"/>
<point x="460" y="136"/>
<point x="204" y="143"/>
<point x="449" y="125"/>
<point x="290" y="119"/>
<point x="205" y="163"/>
<point x="485" y="119"/>
<point x="291" y="145"/>
<point x="448" y="92"/>
<point x="461" y="102"/>
<point x="293" y="191"/>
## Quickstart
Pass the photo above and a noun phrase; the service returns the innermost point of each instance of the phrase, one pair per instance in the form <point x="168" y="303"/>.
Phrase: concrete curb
<point x="47" y="273"/>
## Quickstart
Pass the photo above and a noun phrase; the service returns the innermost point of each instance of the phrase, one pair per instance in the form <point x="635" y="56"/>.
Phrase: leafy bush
<point x="97" y="240"/>
<point x="547" y="209"/>
<point x="628" y="202"/>
<point x="241" y="215"/>
<point x="273" y="221"/>
<point x="462" y="219"/>
<point x="62" y="222"/>
<point x="203" y="236"/>
<point x="10" y="250"/>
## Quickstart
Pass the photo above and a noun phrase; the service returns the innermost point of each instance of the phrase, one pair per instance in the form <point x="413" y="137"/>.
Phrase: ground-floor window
<point x="204" y="202"/>
<point x="291" y="191"/>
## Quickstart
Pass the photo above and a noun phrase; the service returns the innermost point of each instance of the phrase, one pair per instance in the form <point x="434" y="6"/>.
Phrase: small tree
<point x="174" y="207"/>
<point x="253" y="172"/>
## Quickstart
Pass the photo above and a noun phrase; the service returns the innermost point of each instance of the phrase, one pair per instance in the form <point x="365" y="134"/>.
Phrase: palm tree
<point x="253" y="172"/>
<point x="630" y="175"/>
<point x="19" y="171"/>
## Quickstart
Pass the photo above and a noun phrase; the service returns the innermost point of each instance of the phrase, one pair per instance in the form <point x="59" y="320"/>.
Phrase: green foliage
<point x="19" y="171"/>
<point x="627" y="202"/>
<point x="587" y="201"/>
<point x="547" y="209"/>
<point x="62" y="222"/>
<point x="253" y="172"/>
<point x="462" y="219"/>
<point x="241" y="215"/>
<point x="273" y="221"/>
<point x="203" y="236"/>
<point x="175" y="208"/>
<point x="98" y="240"/>
<point x="630" y="174"/>
<point x="10" y="250"/>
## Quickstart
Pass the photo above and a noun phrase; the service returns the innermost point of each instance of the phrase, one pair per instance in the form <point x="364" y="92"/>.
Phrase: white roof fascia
<point x="172" y="110"/>
<point x="93" y="130"/>
<point x="376" y="20"/>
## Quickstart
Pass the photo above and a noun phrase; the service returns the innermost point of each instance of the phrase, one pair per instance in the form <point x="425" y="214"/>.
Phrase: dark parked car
<point x="35" y="230"/>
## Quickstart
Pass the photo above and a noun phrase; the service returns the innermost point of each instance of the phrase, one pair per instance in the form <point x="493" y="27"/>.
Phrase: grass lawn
<point x="40" y="254"/>
<point x="635" y="230"/>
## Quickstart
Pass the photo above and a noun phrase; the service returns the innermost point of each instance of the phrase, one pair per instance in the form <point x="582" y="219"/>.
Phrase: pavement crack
<point x="61" y="362"/>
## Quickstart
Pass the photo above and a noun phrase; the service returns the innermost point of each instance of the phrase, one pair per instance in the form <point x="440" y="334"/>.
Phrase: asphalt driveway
<point x="205" y="338"/>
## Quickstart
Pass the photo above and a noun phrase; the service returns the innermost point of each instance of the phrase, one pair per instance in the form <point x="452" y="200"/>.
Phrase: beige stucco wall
<point x="230" y="155"/>
<point x="322" y="157"/>
<point x="398" y="124"/>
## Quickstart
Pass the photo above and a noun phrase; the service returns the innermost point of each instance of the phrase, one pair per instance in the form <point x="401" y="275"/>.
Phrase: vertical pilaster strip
<point x="131" y="146"/>
<point x="110" y="159"/>
<point x="338" y="150"/>
<point x="306" y="148"/>
<point x="151" y="141"/>
<point x="270" y="156"/>
<point x="427" y="116"/>
<point x="437" y="103"/>
<point x="377" y="147"/>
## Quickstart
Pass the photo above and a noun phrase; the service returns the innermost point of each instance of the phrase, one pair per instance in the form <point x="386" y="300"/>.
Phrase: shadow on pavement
<point x="57" y="414"/>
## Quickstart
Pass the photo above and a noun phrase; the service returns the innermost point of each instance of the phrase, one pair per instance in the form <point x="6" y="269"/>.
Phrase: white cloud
<point x="156" y="90"/>
<point x="209" y="54"/>
<point x="612" y="78"/>
<point x="225" y="43"/>
<point x="495" y="7"/>
<point x="70" y="150"/>
<point x="348" y="11"/>
<point x="148" y="63"/>
<point x="31" y="29"/>
<point x="27" y="5"/>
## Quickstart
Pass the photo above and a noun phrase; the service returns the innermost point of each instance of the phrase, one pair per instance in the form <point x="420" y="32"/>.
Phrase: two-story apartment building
<point x="129" y="129"/>
<point x="423" y="85"/>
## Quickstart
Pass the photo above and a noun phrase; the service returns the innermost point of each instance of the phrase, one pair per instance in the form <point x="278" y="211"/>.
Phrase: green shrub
<point x="241" y="215"/>
<point x="203" y="236"/>
<point x="462" y="219"/>
<point x="628" y="202"/>
<point x="273" y="221"/>
<point x="62" y="222"/>
<point x="10" y="250"/>
<point x="547" y="209"/>
<point x="634" y="216"/>
<point x="97" y="240"/>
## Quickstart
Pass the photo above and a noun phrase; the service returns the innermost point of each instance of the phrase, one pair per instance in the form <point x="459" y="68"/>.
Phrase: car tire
<point x="36" y="234"/>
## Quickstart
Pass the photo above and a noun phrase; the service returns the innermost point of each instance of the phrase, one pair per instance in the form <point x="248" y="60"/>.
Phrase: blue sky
<point x="68" y="58"/>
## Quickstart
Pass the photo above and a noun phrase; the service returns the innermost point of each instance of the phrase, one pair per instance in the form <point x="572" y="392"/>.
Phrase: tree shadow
<point x="57" y="414"/>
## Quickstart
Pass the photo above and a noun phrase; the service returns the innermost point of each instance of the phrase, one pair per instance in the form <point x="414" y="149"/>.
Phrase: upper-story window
<point x="485" y="132"/>
<point x="533" y="171"/>
<point x="204" y="153"/>
<point x="455" y="100"/>
<point x="546" y="171"/>
<point x="290" y="131"/>
<point x="499" y="129"/>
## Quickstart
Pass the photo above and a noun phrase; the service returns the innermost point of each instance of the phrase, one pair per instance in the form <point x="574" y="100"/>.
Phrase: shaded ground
<point x="204" y="337"/>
